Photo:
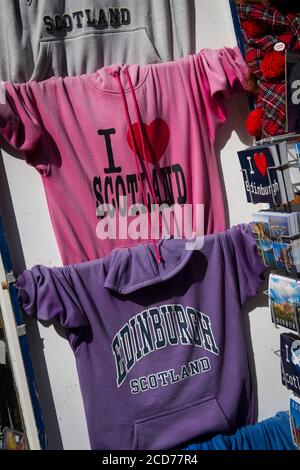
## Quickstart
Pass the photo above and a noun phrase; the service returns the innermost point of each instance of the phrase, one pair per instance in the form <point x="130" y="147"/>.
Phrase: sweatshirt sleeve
<point x="243" y="268"/>
<point x="47" y="294"/>
<point x="21" y="125"/>
<point x="215" y="75"/>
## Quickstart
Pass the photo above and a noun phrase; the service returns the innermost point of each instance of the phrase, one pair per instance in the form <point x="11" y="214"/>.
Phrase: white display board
<point x="52" y="357"/>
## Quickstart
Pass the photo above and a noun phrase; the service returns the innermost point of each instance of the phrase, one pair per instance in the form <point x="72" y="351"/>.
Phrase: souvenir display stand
<point x="134" y="340"/>
<point x="18" y="361"/>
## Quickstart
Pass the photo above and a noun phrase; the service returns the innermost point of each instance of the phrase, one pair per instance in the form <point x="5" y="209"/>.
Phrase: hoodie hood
<point x="103" y="78"/>
<point x="131" y="269"/>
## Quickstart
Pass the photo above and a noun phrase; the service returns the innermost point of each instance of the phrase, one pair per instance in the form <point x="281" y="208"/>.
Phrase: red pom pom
<point x="254" y="122"/>
<point x="273" y="65"/>
<point x="255" y="29"/>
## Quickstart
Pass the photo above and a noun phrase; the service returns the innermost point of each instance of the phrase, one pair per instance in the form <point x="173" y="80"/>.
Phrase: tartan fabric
<point x="272" y="100"/>
<point x="281" y="28"/>
<point x="255" y="54"/>
<point x="278" y="23"/>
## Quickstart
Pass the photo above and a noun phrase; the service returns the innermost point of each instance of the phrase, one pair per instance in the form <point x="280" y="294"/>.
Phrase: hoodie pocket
<point x="87" y="52"/>
<point x="172" y="429"/>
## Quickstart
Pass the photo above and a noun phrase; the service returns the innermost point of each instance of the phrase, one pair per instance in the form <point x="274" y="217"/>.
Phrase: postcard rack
<point x="284" y="247"/>
<point x="284" y="303"/>
<point x="294" y="314"/>
<point x="270" y="183"/>
<point x="281" y="165"/>
<point x="285" y="244"/>
<point x="286" y="314"/>
<point x="283" y="238"/>
<point x="273" y="168"/>
<point x="278" y="138"/>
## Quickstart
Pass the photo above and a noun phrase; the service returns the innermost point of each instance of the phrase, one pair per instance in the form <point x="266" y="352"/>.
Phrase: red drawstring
<point x="142" y="134"/>
<point x="117" y="76"/>
<point x="143" y="138"/>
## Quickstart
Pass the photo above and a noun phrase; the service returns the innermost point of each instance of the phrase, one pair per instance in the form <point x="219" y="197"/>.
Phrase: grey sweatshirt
<point x="42" y="38"/>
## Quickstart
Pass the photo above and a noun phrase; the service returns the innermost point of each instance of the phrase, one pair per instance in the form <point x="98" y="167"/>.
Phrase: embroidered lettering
<point x="93" y="18"/>
<point x="157" y="328"/>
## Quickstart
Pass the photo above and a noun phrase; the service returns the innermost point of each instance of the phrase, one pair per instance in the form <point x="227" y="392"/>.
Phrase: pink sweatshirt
<point x="143" y="132"/>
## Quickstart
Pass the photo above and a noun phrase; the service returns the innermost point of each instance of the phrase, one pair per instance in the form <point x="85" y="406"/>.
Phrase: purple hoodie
<point x="160" y="348"/>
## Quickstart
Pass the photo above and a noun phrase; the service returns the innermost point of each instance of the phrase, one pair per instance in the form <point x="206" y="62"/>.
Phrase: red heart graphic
<point x="157" y="136"/>
<point x="261" y="163"/>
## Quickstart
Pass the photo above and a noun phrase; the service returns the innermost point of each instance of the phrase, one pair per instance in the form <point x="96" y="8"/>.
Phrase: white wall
<point x="53" y="360"/>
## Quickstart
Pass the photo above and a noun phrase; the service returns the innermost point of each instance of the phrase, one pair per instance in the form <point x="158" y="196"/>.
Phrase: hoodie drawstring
<point x="136" y="150"/>
<point x="142" y="135"/>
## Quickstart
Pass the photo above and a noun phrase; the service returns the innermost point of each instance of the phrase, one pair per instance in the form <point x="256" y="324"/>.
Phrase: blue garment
<point x="272" y="434"/>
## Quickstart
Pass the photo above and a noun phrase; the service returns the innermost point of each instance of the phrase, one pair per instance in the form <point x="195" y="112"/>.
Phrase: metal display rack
<point x="290" y="138"/>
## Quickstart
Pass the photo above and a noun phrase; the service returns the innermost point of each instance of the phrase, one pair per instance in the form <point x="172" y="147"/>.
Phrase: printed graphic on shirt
<point x="155" y="329"/>
<point x="99" y="19"/>
<point x="156" y="135"/>
<point x="170" y="377"/>
<point x="168" y="183"/>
